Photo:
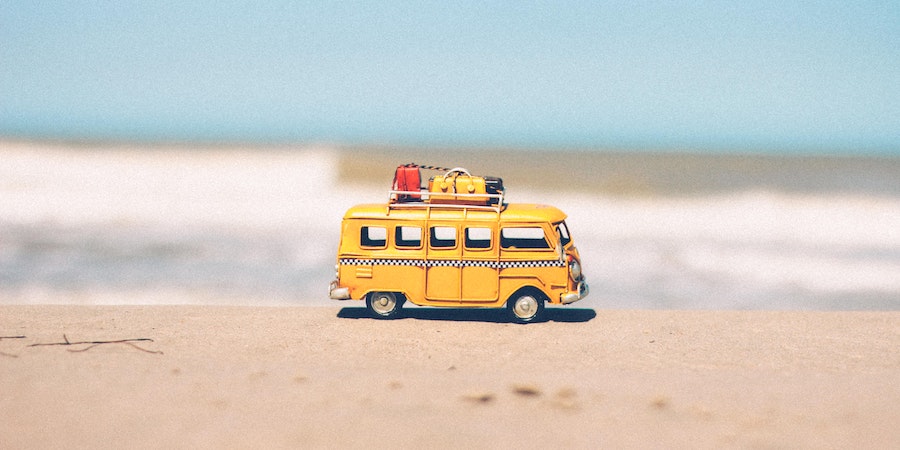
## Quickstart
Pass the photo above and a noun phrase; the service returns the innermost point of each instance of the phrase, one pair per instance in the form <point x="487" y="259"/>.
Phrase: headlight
<point x="575" y="268"/>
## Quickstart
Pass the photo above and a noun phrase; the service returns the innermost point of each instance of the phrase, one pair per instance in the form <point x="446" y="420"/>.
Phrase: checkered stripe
<point x="444" y="263"/>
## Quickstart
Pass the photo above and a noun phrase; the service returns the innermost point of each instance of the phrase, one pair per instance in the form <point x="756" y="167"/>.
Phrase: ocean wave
<point x="234" y="227"/>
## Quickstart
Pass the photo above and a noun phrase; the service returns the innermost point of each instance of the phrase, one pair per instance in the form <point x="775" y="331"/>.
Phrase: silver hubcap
<point x="383" y="304"/>
<point x="525" y="307"/>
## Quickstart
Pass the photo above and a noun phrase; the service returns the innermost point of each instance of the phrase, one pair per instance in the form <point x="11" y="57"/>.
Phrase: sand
<point x="642" y="173"/>
<point x="275" y="377"/>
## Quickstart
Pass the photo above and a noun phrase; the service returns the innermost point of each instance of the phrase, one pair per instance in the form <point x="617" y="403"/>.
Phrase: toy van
<point x="456" y="243"/>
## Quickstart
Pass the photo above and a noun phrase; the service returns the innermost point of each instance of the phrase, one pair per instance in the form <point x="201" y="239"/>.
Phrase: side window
<point x="523" y="238"/>
<point x="373" y="237"/>
<point x="408" y="237"/>
<point x="443" y="237"/>
<point x="478" y="238"/>
<point x="563" y="233"/>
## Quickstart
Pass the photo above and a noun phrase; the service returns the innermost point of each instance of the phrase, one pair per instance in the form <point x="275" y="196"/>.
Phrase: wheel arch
<point x="401" y="295"/>
<point x="535" y="291"/>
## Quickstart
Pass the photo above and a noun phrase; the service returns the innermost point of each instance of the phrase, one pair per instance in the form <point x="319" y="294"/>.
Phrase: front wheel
<point x="525" y="307"/>
<point x="384" y="305"/>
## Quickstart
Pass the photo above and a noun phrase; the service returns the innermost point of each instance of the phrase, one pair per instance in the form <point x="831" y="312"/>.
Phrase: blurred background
<point x="709" y="155"/>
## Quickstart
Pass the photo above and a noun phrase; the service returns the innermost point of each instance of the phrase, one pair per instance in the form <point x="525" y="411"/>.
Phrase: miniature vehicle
<point x="456" y="244"/>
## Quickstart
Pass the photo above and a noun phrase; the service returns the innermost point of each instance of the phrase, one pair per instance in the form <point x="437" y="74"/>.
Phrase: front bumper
<point x="573" y="297"/>
<point x="338" y="293"/>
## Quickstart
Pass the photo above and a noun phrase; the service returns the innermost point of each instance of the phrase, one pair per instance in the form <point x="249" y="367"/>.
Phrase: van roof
<point x="511" y="212"/>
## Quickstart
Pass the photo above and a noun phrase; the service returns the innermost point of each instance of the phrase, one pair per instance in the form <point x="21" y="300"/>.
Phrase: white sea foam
<point x="181" y="226"/>
<point x="751" y="249"/>
<point x="183" y="188"/>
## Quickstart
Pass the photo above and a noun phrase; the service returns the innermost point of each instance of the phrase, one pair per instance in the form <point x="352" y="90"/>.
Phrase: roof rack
<point x="449" y="200"/>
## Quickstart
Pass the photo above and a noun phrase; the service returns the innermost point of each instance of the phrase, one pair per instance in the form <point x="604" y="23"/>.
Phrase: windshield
<point x="563" y="234"/>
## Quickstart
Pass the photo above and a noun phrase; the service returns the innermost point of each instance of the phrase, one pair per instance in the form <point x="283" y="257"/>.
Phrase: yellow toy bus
<point x="456" y="244"/>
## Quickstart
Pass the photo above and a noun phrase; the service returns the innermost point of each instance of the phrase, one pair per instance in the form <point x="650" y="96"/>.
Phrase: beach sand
<point x="306" y="377"/>
<point x="642" y="174"/>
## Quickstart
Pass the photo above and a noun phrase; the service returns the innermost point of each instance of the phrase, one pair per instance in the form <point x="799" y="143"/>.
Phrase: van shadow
<point x="490" y="315"/>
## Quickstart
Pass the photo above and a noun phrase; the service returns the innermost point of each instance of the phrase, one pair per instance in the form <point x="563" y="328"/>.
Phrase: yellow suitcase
<point x="459" y="187"/>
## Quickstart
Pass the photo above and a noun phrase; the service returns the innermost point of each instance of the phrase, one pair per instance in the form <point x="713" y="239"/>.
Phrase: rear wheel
<point x="384" y="305"/>
<point x="525" y="306"/>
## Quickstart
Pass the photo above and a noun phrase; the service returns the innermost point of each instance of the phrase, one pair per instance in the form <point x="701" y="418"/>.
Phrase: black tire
<point x="384" y="305"/>
<point x="526" y="306"/>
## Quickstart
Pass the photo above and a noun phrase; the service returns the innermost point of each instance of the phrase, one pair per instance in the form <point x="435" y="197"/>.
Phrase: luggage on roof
<point x="407" y="180"/>
<point x="455" y="187"/>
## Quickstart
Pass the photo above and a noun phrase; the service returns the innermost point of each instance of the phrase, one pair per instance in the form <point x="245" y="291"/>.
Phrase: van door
<point x="480" y="271"/>
<point x="443" y="271"/>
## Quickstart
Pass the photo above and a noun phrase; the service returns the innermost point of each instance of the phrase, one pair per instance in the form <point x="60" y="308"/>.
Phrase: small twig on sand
<point x="126" y="342"/>
<point x="92" y="344"/>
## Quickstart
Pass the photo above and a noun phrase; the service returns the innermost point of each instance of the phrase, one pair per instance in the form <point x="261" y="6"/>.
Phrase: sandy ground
<point x="640" y="174"/>
<point x="239" y="377"/>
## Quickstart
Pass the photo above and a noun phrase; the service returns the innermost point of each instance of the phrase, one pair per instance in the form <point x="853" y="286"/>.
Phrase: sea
<point x="120" y="224"/>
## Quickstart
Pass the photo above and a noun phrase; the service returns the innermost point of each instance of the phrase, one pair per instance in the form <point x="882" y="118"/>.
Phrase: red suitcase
<point x="407" y="179"/>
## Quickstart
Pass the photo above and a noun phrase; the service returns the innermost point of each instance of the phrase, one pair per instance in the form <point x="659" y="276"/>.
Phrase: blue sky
<point x="759" y="76"/>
